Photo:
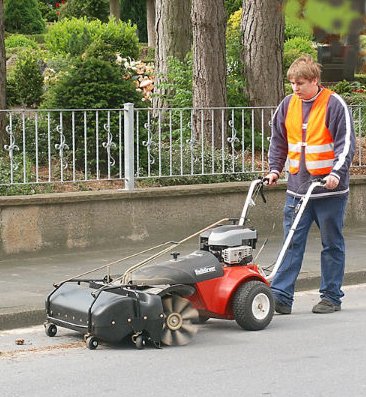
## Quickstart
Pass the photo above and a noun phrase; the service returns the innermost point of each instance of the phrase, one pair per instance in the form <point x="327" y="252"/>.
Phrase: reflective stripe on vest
<point x="318" y="145"/>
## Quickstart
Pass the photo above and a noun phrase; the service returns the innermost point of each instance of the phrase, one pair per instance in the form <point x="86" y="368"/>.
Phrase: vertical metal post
<point x="129" y="146"/>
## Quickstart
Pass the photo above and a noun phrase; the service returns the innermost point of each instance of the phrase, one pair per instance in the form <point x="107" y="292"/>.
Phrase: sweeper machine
<point x="164" y="302"/>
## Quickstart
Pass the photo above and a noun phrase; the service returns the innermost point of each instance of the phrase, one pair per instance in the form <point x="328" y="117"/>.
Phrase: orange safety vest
<point x="319" y="144"/>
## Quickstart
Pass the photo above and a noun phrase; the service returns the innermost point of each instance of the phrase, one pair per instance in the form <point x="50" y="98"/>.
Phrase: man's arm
<point x="278" y="148"/>
<point x="340" y="124"/>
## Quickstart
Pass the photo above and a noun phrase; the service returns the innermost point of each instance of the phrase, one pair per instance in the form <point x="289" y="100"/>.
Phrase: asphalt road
<point x="299" y="355"/>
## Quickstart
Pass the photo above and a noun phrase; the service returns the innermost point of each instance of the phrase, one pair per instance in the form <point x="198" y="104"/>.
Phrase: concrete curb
<point x="36" y="316"/>
<point x="22" y="319"/>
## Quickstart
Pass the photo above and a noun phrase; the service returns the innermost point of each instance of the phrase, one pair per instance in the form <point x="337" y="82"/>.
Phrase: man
<point x="313" y="130"/>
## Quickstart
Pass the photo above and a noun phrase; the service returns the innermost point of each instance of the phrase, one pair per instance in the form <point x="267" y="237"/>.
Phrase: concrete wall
<point x="56" y="222"/>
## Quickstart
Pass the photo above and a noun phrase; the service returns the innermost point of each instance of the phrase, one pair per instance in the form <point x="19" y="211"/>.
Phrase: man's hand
<point x="272" y="178"/>
<point x="331" y="182"/>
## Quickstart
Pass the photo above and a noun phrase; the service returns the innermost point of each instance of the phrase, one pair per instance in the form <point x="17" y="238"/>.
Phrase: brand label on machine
<point x="204" y="270"/>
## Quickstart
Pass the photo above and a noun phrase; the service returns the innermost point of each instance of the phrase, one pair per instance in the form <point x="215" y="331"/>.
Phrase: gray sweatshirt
<point x="340" y="124"/>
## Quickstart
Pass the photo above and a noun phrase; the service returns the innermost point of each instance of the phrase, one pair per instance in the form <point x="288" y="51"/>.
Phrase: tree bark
<point x="209" y="68"/>
<point x="115" y="9"/>
<point x="150" y="20"/>
<point x="2" y="78"/>
<point x="263" y="35"/>
<point x="173" y="38"/>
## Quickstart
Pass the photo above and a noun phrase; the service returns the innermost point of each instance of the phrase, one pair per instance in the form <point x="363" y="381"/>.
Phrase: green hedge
<point x="74" y="36"/>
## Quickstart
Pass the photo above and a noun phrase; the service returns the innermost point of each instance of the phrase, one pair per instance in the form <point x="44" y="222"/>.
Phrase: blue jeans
<point x="328" y="214"/>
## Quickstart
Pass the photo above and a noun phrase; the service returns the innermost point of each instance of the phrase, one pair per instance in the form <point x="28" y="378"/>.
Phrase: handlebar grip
<point x="321" y="180"/>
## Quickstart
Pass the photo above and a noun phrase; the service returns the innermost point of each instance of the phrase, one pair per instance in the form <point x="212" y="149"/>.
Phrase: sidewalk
<point x="26" y="281"/>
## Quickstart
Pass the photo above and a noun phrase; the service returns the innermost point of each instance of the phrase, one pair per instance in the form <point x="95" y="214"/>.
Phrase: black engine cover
<point x="189" y="269"/>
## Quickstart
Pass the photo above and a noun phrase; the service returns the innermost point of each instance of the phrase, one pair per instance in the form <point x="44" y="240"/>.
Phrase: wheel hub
<point x="260" y="306"/>
<point x="174" y="321"/>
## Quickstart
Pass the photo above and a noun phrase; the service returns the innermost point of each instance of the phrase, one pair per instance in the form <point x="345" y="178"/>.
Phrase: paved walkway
<point x="26" y="281"/>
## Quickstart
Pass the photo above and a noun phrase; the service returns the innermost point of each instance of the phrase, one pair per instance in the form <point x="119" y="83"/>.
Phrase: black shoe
<point x="281" y="308"/>
<point x="324" y="307"/>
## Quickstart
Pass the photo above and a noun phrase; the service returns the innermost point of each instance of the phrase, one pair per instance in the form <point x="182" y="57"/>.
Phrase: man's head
<point x="304" y="68"/>
<point x="304" y="76"/>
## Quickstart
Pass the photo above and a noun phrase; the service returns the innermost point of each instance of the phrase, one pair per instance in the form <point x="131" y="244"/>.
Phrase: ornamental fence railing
<point x="165" y="146"/>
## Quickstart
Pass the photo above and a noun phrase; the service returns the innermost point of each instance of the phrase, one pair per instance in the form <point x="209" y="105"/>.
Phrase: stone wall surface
<point x="66" y="221"/>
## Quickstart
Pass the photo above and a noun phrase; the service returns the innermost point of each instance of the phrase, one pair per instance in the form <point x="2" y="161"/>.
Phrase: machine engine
<point x="231" y="244"/>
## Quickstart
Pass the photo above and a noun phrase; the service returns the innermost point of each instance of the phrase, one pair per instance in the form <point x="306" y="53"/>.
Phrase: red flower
<point x="57" y="5"/>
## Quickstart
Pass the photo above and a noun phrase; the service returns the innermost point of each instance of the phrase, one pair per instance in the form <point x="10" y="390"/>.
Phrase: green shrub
<point x="235" y="75"/>
<point x="28" y="78"/>
<point x="101" y="50"/>
<point x="70" y="36"/>
<point x="361" y="78"/>
<point x="90" y="9"/>
<point x="48" y="10"/>
<point x="91" y="84"/>
<point x="232" y="6"/>
<point x="176" y="161"/>
<point x="121" y="36"/>
<point x="73" y="36"/>
<point x="19" y="40"/>
<point x="178" y="82"/>
<point x="233" y="42"/>
<point x="293" y="29"/>
<point x="353" y="92"/>
<point x="12" y="97"/>
<point x="23" y="16"/>
<point x="293" y="48"/>
<point x="16" y="176"/>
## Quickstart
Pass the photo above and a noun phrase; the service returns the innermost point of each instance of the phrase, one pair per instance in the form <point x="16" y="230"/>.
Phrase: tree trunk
<point x="263" y="35"/>
<point x="209" y="68"/>
<point x="173" y="38"/>
<point x="2" y="78"/>
<point x="150" y="20"/>
<point x="115" y="9"/>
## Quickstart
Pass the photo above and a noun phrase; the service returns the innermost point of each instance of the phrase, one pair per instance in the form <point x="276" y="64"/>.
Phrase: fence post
<point x="129" y="146"/>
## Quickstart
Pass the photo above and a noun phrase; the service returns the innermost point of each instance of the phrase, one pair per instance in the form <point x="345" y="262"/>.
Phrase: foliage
<point x="73" y="36"/>
<point x="178" y="82"/>
<point x="23" y="16"/>
<point x="332" y="17"/>
<point x="293" y="48"/>
<point x="19" y="40"/>
<point x="11" y="91"/>
<point x="28" y="79"/>
<point x="135" y="11"/>
<point x="121" y="36"/>
<point x="90" y="9"/>
<point x="233" y="42"/>
<point x="17" y="176"/>
<point x="176" y="161"/>
<point x="235" y="75"/>
<point x="70" y="36"/>
<point x="232" y="6"/>
<point x="354" y="93"/>
<point x="101" y="50"/>
<point x="293" y="29"/>
<point x="91" y="84"/>
<point x="49" y="10"/>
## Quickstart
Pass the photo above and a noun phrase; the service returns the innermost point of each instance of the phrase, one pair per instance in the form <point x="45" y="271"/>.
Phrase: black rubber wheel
<point x="50" y="329"/>
<point x="253" y="305"/>
<point x="91" y="342"/>
<point x="140" y="342"/>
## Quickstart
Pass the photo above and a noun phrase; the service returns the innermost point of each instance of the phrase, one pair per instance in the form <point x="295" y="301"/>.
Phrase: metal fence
<point x="131" y="145"/>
